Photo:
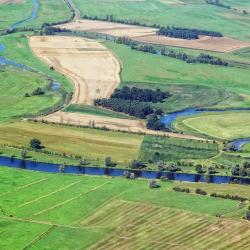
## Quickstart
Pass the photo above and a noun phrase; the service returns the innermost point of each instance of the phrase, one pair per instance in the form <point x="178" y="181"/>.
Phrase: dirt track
<point x="91" y="67"/>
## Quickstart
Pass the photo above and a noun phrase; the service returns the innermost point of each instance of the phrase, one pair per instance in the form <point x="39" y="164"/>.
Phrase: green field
<point x="12" y="13"/>
<point x="93" y="110"/>
<point x="93" y="144"/>
<point x="190" y="14"/>
<point x="190" y="84"/>
<point x="170" y="149"/>
<point x="40" y="211"/>
<point x="15" y="83"/>
<point x="227" y="125"/>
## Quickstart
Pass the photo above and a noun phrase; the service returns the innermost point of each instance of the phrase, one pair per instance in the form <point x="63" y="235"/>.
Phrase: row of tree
<point x="201" y="58"/>
<point x="142" y="95"/>
<point x="185" y="33"/>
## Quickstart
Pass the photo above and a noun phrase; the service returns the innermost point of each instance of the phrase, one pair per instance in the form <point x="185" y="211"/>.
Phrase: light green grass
<point x="91" y="143"/>
<point x="92" y="210"/>
<point x="192" y="14"/>
<point x="15" y="83"/>
<point x="227" y="125"/>
<point x="12" y="13"/>
<point x="93" y="110"/>
<point x="171" y="149"/>
<point x="170" y="71"/>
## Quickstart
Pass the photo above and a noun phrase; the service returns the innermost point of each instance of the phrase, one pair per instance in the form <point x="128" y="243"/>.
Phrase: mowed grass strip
<point x="164" y="228"/>
<point x="90" y="143"/>
<point x="170" y="149"/>
<point x="230" y="125"/>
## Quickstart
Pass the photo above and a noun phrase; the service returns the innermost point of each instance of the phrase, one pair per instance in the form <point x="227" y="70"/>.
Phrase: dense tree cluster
<point x="136" y="102"/>
<point x="243" y="170"/>
<point x="185" y="33"/>
<point x="142" y="95"/>
<point x="133" y="108"/>
<point x="201" y="58"/>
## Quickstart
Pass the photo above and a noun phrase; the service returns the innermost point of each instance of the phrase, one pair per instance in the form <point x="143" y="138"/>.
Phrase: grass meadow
<point x="203" y="85"/>
<point x="190" y="14"/>
<point x="15" y="83"/>
<point x="226" y="125"/>
<point x="40" y="210"/>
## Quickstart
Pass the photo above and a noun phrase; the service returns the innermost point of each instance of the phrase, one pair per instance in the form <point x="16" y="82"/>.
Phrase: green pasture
<point x="226" y="125"/>
<point x="14" y="84"/>
<point x="190" y="14"/>
<point x="40" y="210"/>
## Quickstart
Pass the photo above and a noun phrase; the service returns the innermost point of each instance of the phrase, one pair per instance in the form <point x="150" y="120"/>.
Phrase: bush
<point x="200" y="191"/>
<point x="183" y="190"/>
<point x="35" y="144"/>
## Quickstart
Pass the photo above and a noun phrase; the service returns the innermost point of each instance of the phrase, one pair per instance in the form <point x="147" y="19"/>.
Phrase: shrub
<point x="200" y="191"/>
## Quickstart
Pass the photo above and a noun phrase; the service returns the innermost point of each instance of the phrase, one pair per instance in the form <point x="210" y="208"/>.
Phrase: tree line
<point x="201" y="58"/>
<point x="186" y="33"/>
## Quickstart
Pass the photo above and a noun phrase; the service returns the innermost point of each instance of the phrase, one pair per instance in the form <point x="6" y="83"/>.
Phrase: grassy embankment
<point x="39" y="210"/>
<point x="191" y="15"/>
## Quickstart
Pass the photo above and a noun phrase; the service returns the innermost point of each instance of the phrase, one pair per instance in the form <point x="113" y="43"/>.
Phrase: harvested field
<point x="135" y="126"/>
<point x="148" y="35"/>
<point x="92" y="68"/>
<point x="113" y="29"/>
<point x="218" y="44"/>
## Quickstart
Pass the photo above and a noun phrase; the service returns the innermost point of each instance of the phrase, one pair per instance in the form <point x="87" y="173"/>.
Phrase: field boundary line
<point x="69" y="200"/>
<point x="39" y="237"/>
<point x="47" y="195"/>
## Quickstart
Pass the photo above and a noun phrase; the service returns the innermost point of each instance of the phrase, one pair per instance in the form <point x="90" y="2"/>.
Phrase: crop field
<point x="15" y="83"/>
<point x="229" y="125"/>
<point x="170" y="149"/>
<point x="190" y="14"/>
<point x="114" y="29"/>
<point x="90" y="143"/>
<point x="91" y="67"/>
<point x="148" y="35"/>
<point x="40" y="210"/>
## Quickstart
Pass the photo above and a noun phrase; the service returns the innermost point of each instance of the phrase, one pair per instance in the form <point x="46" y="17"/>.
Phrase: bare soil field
<point x="113" y="29"/>
<point x="218" y="44"/>
<point x="10" y="1"/>
<point x="92" y="68"/>
<point x="127" y="125"/>
<point x="148" y="35"/>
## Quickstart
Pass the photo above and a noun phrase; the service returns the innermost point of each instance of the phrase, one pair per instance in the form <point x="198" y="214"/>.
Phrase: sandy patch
<point x="10" y="1"/>
<point x="114" y="29"/>
<point x="92" y="68"/>
<point x="219" y="44"/>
